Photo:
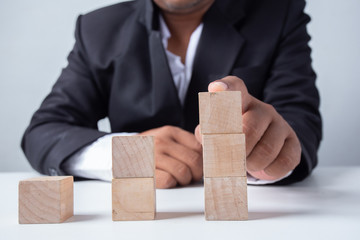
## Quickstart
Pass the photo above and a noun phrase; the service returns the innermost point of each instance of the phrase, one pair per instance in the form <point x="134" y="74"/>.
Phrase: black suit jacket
<point x="118" y="68"/>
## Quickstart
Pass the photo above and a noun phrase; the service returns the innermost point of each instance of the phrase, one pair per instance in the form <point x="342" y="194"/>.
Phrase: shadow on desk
<point x="252" y="215"/>
<point x="268" y="215"/>
<point x="84" y="218"/>
<point x="170" y="215"/>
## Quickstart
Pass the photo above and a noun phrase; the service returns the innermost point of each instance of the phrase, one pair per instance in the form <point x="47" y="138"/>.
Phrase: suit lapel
<point x="165" y="102"/>
<point x="164" y="92"/>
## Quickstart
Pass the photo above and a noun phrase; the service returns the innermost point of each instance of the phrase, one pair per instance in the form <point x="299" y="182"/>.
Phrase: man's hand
<point x="272" y="147"/>
<point x="178" y="156"/>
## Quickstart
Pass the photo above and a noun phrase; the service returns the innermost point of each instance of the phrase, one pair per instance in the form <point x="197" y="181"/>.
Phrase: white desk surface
<point x="324" y="206"/>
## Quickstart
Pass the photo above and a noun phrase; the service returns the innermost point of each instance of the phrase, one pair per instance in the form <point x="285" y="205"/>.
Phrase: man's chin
<point x="179" y="6"/>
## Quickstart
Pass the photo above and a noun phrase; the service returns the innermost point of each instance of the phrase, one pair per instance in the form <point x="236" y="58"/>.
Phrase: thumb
<point x="232" y="83"/>
<point x="218" y="86"/>
<point x="198" y="134"/>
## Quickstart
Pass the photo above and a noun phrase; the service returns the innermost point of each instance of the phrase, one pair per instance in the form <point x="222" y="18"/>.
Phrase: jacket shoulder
<point x="103" y="32"/>
<point x="109" y="15"/>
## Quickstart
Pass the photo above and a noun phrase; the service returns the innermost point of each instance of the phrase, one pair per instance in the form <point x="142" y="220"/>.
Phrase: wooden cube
<point x="46" y="199"/>
<point x="220" y="112"/>
<point x="224" y="155"/>
<point x="226" y="198"/>
<point x="133" y="156"/>
<point x="133" y="199"/>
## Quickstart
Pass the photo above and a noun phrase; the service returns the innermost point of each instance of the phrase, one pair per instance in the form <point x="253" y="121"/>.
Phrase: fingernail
<point x="217" y="86"/>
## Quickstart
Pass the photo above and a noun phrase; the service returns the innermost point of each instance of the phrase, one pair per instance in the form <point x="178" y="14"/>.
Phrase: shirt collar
<point x="165" y="32"/>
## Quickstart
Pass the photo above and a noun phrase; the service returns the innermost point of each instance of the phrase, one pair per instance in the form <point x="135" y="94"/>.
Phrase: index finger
<point x="232" y="83"/>
<point x="185" y="138"/>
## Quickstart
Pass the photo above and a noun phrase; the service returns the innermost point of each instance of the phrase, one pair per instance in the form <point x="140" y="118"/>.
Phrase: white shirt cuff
<point x="93" y="161"/>
<point x="254" y="181"/>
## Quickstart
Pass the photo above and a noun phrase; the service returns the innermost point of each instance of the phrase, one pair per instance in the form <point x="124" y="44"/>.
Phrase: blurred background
<point x="36" y="37"/>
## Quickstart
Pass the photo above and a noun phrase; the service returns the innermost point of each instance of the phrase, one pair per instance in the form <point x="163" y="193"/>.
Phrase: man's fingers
<point x="178" y="170"/>
<point x="267" y="149"/>
<point x="192" y="159"/>
<point x="164" y="179"/>
<point x="255" y="123"/>
<point x="287" y="160"/>
<point x="184" y="138"/>
<point x="262" y="175"/>
<point x="178" y="153"/>
<point x="232" y="83"/>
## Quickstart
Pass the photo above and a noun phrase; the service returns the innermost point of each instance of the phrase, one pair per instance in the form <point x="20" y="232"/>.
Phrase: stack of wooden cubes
<point x="224" y="155"/>
<point x="133" y="184"/>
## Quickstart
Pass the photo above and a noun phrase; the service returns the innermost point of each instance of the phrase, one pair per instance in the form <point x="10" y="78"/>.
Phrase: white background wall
<point x="36" y="36"/>
<point x="336" y="53"/>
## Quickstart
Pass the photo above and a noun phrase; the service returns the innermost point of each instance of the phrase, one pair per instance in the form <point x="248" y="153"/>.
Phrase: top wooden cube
<point x="220" y="112"/>
<point x="133" y="156"/>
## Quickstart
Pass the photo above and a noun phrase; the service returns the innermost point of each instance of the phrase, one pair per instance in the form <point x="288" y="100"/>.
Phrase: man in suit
<point x="142" y="63"/>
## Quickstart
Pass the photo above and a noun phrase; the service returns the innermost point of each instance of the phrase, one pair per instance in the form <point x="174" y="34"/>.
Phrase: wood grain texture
<point x="133" y="156"/>
<point x="133" y="199"/>
<point x="220" y="112"/>
<point x="224" y="155"/>
<point x="226" y="198"/>
<point x="46" y="199"/>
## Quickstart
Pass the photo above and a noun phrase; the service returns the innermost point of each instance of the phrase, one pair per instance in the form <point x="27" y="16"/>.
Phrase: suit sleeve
<point x="292" y="91"/>
<point x="67" y="118"/>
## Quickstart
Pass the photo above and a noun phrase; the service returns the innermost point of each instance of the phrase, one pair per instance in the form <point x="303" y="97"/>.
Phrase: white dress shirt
<point x="95" y="161"/>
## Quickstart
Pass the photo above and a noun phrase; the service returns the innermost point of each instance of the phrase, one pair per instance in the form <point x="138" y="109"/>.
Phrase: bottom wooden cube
<point x="46" y="199"/>
<point x="133" y="199"/>
<point x="226" y="198"/>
